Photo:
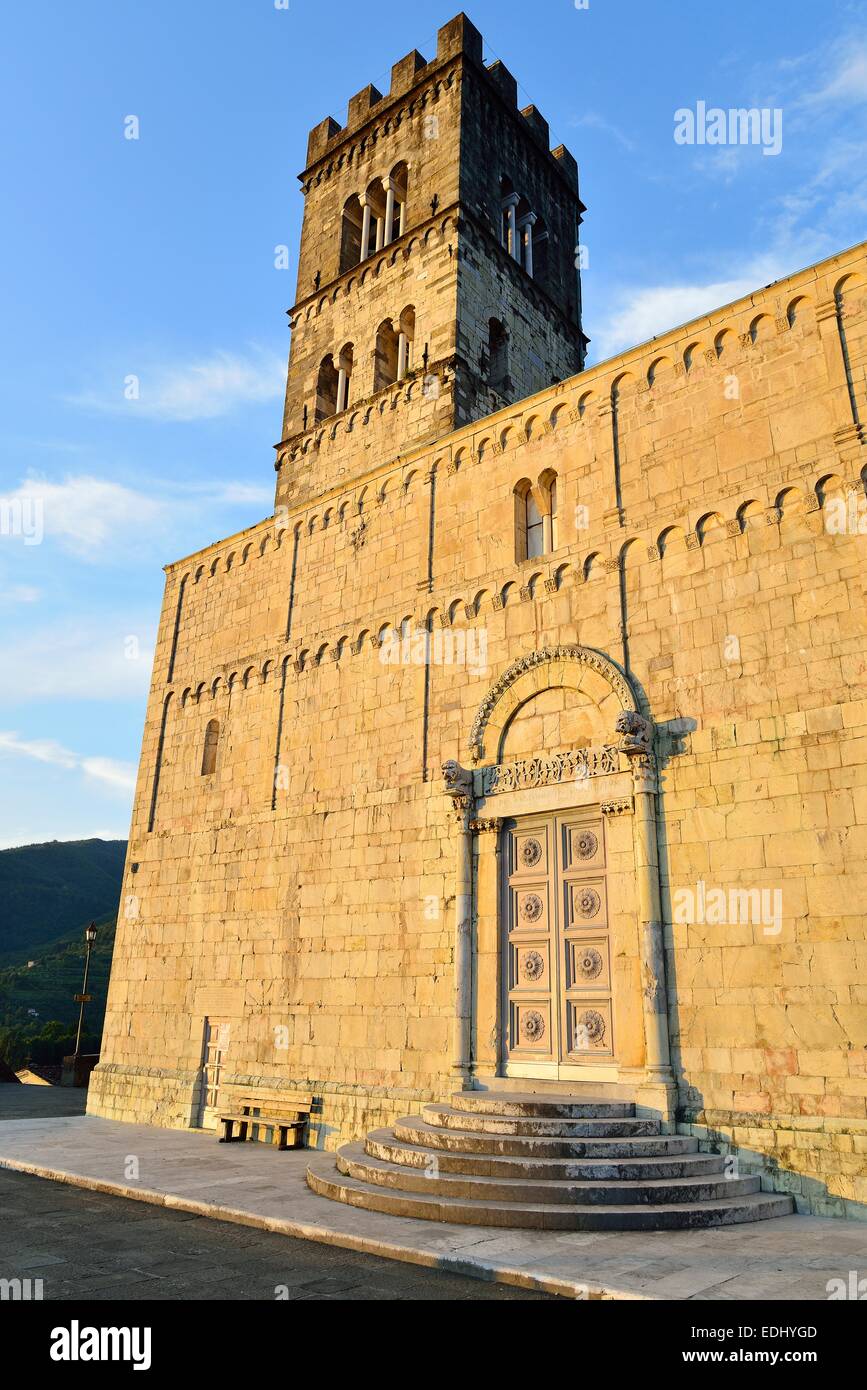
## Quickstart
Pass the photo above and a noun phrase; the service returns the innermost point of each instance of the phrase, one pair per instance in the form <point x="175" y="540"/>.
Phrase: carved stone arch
<point x="552" y="666"/>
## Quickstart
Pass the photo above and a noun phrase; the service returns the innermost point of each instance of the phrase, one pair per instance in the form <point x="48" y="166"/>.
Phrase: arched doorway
<point x="564" y="976"/>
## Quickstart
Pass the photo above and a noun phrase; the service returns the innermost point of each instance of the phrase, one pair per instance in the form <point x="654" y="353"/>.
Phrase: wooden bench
<point x="281" y="1111"/>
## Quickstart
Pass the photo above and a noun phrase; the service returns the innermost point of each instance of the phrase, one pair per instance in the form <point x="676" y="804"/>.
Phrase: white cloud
<point x="646" y="312"/>
<point x="59" y="830"/>
<point x="97" y="520"/>
<point x="44" y="750"/>
<point x="111" y="771"/>
<point x="593" y="121"/>
<point x="83" y="512"/>
<point x="200" y="390"/>
<point x="20" y="593"/>
<point x="846" y="83"/>
<point x="90" y="661"/>
<point x="118" y="775"/>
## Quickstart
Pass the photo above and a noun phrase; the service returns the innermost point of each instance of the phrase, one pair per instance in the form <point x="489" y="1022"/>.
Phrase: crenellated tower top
<point x="437" y="275"/>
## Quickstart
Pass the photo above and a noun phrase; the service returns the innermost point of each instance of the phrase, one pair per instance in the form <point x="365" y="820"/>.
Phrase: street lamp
<point x="83" y="998"/>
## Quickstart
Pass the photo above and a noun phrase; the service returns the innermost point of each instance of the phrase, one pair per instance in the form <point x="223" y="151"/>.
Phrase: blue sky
<point x="154" y="258"/>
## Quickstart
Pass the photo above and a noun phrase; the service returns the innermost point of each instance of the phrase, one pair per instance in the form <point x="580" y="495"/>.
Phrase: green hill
<point x="48" y="894"/>
<point x="48" y="891"/>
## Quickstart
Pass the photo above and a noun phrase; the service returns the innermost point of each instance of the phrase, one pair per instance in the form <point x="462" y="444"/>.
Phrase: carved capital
<point x="643" y="770"/>
<point x="489" y="825"/>
<point x="622" y="807"/>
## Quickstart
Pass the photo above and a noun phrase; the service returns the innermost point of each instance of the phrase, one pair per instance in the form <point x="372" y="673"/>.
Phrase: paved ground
<point x="85" y="1245"/>
<point x="791" y="1258"/>
<point x="40" y="1102"/>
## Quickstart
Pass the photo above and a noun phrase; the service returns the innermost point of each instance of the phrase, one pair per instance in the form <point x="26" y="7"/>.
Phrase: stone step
<point x="323" y="1178"/>
<point x="448" y="1118"/>
<point x="355" y="1162"/>
<point x="417" y="1130"/>
<point x="384" y="1144"/>
<point x="541" y="1107"/>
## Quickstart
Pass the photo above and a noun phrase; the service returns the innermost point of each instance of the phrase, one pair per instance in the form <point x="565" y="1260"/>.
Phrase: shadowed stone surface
<point x="90" y="1245"/>
<point x="253" y="1185"/>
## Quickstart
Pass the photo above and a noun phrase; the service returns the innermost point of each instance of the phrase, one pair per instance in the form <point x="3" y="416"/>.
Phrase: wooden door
<point x="557" y="969"/>
<point x="216" y="1037"/>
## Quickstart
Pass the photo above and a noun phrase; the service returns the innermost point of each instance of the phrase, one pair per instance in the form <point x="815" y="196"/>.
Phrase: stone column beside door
<point x="487" y="953"/>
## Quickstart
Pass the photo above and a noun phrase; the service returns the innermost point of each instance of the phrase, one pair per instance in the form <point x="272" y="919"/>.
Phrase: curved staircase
<point x="542" y="1162"/>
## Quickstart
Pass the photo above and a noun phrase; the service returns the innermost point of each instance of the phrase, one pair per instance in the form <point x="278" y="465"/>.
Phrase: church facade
<point x="525" y="745"/>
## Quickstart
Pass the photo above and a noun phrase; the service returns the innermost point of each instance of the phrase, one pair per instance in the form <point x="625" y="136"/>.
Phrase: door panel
<point x="215" y="1042"/>
<point x="532" y="1023"/>
<point x="558" y="1009"/>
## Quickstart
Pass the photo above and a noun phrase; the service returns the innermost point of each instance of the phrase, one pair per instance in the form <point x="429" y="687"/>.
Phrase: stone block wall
<point x="711" y="504"/>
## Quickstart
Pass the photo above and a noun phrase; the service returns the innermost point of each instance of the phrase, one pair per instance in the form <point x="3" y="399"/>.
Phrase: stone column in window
<point x="365" y="226"/>
<point x="342" y="389"/>
<point x="402" y="355"/>
<point x="509" y="207"/>
<point x="525" y="229"/>
<point x="389" y="211"/>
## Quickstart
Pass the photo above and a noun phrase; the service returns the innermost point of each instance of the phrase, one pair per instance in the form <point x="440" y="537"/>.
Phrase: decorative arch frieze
<point x="494" y="709"/>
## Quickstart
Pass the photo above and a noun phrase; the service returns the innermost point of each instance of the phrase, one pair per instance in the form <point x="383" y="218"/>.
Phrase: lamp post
<point x="83" y="998"/>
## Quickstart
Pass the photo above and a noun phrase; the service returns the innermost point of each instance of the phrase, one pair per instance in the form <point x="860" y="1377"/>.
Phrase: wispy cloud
<point x="643" y="313"/>
<point x="592" y="120"/>
<point x="95" y="519"/>
<point x="19" y="593"/>
<point x="845" y="78"/>
<point x="118" y="775"/>
<point x="65" y="829"/>
<point x="94" y="661"/>
<point x="203" y="389"/>
<point x="83" y="512"/>
<point x="818" y="206"/>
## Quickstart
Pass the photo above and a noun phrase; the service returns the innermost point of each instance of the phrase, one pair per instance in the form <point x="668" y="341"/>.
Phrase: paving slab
<point x="789" y="1258"/>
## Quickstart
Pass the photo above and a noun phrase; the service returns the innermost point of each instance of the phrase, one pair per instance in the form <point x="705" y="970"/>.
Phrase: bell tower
<point x="437" y="274"/>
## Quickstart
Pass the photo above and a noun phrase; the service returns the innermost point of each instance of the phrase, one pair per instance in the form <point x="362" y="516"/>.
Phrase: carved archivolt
<point x="583" y="656"/>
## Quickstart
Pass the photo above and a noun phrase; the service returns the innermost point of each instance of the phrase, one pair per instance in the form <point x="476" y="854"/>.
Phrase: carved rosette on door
<point x="558" y="970"/>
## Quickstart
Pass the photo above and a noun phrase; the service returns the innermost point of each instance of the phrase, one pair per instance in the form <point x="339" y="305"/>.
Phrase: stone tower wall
<point x="456" y="126"/>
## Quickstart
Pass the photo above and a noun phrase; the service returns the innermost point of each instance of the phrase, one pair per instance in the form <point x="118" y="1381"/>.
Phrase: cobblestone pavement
<point x="87" y="1245"/>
